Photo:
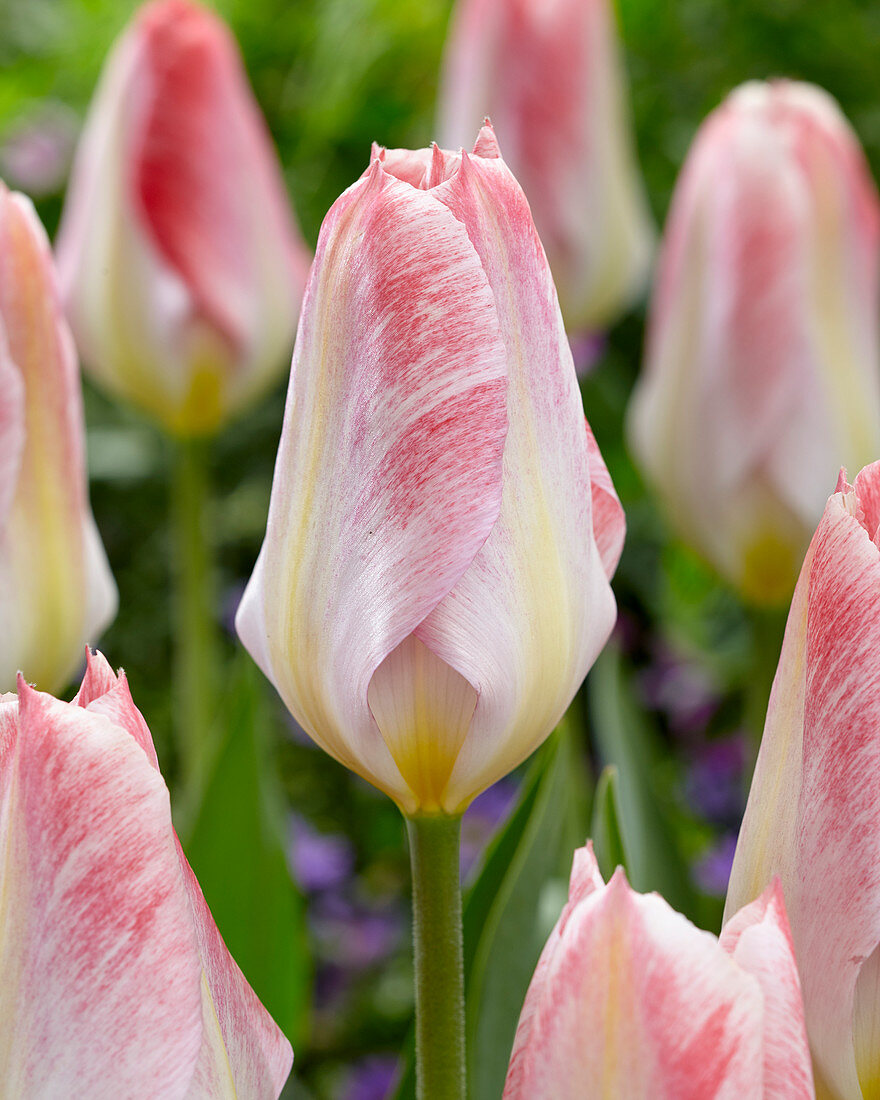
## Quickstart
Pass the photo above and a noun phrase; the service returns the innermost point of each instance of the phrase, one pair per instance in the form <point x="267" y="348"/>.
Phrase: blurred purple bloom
<point x="372" y="1079"/>
<point x="680" y="689"/>
<point x="482" y="818"/>
<point x="712" y="869"/>
<point x="353" y="934"/>
<point x="714" y="784"/>
<point x="35" y="155"/>
<point x="321" y="861"/>
<point x="587" y="348"/>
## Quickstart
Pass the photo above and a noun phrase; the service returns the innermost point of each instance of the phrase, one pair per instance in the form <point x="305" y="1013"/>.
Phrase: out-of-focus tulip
<point x="629" y="999"/>
<point x="549" y="75"/>
<point x="762" y="373"/>
<point x="116" y="982"/>
<point x="56" y="591"/>
<point x="180" y="265"/>
<point x="433" y="585"/>
<point x="813" y="815"/>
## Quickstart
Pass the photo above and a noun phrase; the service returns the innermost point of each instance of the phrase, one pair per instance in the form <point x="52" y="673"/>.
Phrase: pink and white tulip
<point x="629" y="999"/>
<point x="433" y="585"/>
<point x="180" y="264"/>
<point x="813" y="815"/>
<point x="762" y="372"/>
<point x="56" y="591"/>
<point x="116" y="982"/>
<point x="549" y="74"/>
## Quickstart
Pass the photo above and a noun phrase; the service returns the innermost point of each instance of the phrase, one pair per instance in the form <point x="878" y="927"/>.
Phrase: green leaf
<point x="625" y="739"/>
<point x="606" y="832"/>
<point x="237" y="850"/>
<point x="513" y="905"/>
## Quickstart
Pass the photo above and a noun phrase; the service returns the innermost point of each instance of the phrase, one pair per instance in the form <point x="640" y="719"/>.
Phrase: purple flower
<point x="714" y="784"/>
<point x="680" y="689"/>
<point x="35" y="156"/>
<point x="353" y="934"/>
<point x="482" y="818"/>
<point x="320" y="861"/>
<point x="712" y="869"/>
<point x="587" y="348"/>
<point x="372" y="1079"/>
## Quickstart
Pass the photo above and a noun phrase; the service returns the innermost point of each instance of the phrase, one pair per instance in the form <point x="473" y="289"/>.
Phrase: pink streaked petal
<point x="422" y="168"/>
<point x="242" y="1048"/>
<point x="388" y="478"/>
<point x="637" y="1002"/>
<point x="98" y="679"/>
<point x="100" y="962"/>
<point x="12" y="432"/>
<point x="758" y="938"/>
<point x="609" y="522"/>
<point x="813" y="808"/>
<point x="202" y="157"/>
<point x="526" y="621"/>
<point x="867" y="494"/>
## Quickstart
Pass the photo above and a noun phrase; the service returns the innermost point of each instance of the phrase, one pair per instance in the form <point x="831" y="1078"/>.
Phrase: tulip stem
<point x="439" y="965"/>
<point x="195" y="639"/>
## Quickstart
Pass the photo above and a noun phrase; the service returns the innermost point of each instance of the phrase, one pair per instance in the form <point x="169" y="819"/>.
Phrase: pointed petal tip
<point x="486" y="144"/>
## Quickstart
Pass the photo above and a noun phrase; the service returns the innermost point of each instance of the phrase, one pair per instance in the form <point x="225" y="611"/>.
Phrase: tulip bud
<point x="180" y="265"/>
<point x="116" y="982"/>
<point x="629" y="999"/>
<point x="433" y="585"/>
<point x="550" y="77"/>
<point x="762" y="372"/>
<point x="56" y="590"/>
<point x="813" y="815"/>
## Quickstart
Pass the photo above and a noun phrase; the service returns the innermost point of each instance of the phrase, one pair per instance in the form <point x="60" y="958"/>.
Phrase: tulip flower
<point x="433" y="585"/>
<point x="551" y="78"/>
<point x="629" y="999"/>
<point x="813" y="815"/>
<point x="116" y="982"/>
<point x="179" y="262"/>
<point x="762" y="372"/>
<point x="56" y="590"/>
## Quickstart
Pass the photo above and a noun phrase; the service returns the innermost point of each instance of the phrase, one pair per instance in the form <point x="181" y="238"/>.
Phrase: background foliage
<point x="331" y="76"/>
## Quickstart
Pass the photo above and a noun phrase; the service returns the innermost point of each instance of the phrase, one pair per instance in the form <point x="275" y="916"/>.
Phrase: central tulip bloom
<point x="813" y="815"/>
<point x="630" y="1000"/>
<point x="762" y="372"/>
<point x="56" y="591"/>
<point x="433" y="585"/>
<point x="116" y="982"/>
<point x="549" y="75"/>
<point x="180" y="265"/>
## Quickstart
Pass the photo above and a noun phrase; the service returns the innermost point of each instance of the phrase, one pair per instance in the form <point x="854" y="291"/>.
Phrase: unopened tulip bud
<point x="180" y="264"/>
<point x="762" y="373"/>
<point x="116" y="982"/>
<point x="433" y="585"/>
<point x="56" y="591"/>
<point x="550" y="77"/>
<point x="629" y="999"/>
<point x="813" y="815"/>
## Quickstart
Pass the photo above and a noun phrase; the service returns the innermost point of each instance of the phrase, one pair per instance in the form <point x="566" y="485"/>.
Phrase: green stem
<point x="440" y="1050"/>
<point x="195" y="630"/>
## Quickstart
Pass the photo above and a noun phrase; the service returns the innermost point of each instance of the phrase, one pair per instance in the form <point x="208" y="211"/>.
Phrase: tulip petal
<point x="813" y="807"/>
<point x="359" y="551"/>
<point x="535" y="607"/>
<point x="759" y="940"/>
<point x="609" y="522"/>
<point x="662" y="1012"/>
<point x="97" y="932"/>
<point x="55" y="583"/>
<point x="11" y="429"/>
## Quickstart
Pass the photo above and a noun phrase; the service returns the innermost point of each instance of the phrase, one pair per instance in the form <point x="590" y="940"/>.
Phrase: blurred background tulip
<point x="762" y="373"/>
<point x="115" y="979"/>
<point x="630" y="999"/>
<point x="434" y="581"/>
<point x="180" y="264"/>
<point x="56" y="591"/>
<point x="813" y="815"/>
<point x="549" y="75"/>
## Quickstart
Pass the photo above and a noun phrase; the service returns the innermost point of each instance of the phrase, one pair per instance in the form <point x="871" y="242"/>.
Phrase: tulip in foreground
<point x="629" y="999"/>
<point x="550" y="77"/>
<point x="115" y="980"/>
<point x="762" y="372"/>
<point x="433" y="585"/>
<point x="180" y="264"/>
<point x="813" y="815"/>
<point x="56" y="591"/>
